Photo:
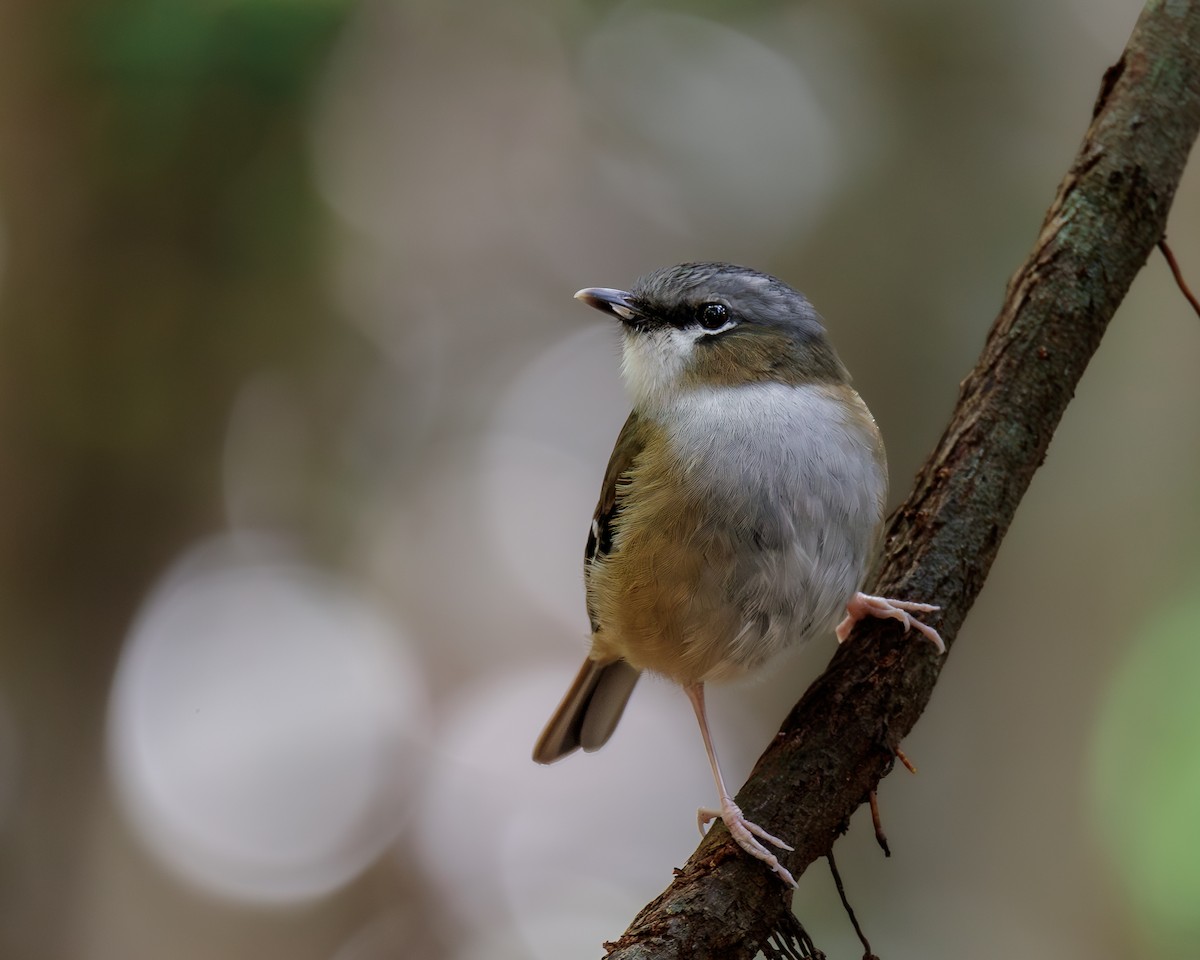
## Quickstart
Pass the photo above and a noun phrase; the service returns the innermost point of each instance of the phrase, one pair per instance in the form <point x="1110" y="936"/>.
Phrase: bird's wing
<point x="590" y="710"/>
<point x="629" y="444"/>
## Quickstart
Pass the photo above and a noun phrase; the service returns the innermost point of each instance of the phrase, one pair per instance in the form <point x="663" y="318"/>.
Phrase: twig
<point x="1178" y="275"/>
<point x="837" y="882"/>
<point x="877" y="823"/>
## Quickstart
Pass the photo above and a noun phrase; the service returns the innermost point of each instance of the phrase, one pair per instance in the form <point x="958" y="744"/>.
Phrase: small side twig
<point x="837" y="880"/>
<point x="1178" y="275"/>
<point x="877" y="823"/>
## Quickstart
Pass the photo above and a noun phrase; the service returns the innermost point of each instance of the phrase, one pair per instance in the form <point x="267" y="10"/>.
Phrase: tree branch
<point x="839" y="740"/>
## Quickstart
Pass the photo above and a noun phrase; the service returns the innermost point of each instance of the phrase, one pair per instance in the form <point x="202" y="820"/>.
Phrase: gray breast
<point x="796" y="495"/>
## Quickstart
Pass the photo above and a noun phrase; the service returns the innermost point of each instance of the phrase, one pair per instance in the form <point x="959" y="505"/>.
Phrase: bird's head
<point x="700" y="325"/>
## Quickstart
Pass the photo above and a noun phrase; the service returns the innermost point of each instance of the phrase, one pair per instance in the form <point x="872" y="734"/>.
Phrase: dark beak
<point x="618" y="303"/>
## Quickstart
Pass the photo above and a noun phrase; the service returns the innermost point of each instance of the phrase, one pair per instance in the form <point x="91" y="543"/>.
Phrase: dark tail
<point x="589" y="712"/>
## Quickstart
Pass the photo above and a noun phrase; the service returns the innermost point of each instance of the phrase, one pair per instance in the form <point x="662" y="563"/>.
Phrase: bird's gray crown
<point x="672" y="295"/>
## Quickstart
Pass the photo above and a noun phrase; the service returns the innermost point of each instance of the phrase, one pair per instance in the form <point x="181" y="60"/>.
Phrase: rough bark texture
<point x="1110" y="211"/>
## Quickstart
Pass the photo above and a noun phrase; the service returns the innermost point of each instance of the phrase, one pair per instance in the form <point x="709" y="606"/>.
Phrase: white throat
<point x="653" y="363"/>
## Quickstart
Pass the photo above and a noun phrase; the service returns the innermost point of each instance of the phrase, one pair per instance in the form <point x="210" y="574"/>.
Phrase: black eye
<point x="712" y="315"/>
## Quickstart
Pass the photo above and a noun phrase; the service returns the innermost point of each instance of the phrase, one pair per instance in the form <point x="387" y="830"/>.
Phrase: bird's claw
<point x="746" y="835"/>
<point x="863" y="605"/>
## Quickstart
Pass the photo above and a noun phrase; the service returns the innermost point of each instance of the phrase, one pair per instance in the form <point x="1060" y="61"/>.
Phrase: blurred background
<point x="301" y="431"/>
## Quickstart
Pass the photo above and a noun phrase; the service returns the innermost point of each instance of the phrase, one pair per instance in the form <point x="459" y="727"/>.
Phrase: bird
<point x="742" y="506"/>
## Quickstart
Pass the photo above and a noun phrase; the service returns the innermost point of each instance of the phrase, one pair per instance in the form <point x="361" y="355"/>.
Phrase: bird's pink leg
<point x="742" y="830"/>
<point x="864" y="605"/>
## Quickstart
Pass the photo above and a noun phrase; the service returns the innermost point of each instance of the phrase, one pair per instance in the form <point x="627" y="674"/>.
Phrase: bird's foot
<point x="747" y="835"/>
<point x="863" y="605"/>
